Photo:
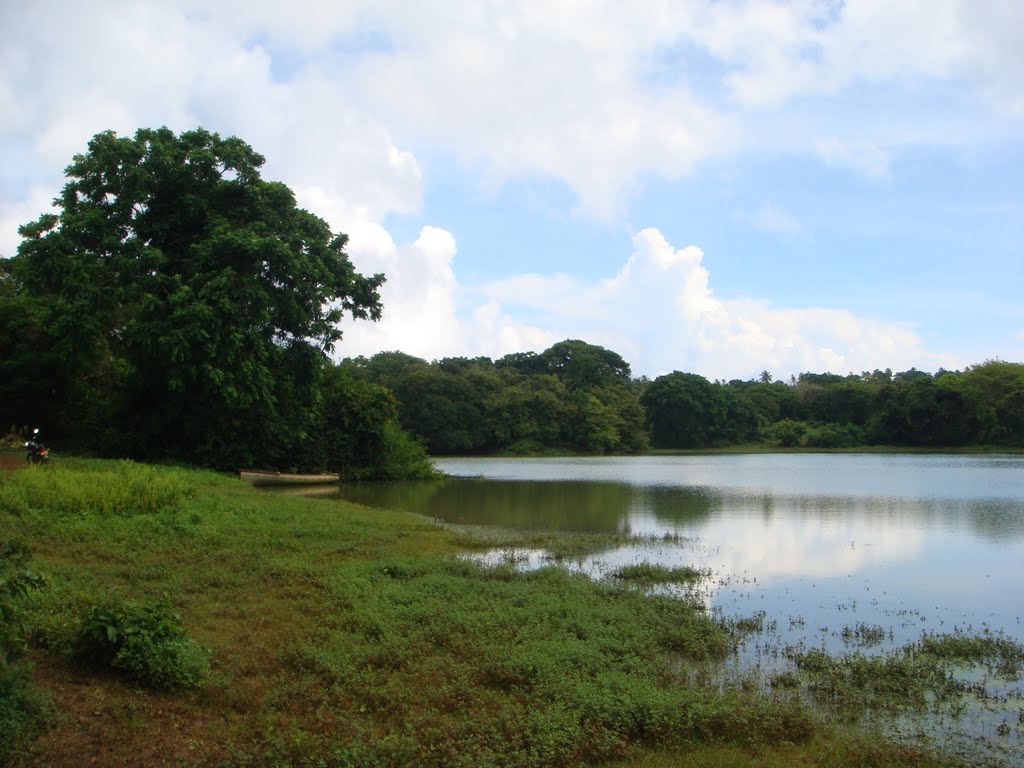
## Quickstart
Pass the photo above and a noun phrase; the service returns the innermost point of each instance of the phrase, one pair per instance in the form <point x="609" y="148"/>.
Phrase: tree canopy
<point x="187" y="303"/>
<point x="573" y="396"/>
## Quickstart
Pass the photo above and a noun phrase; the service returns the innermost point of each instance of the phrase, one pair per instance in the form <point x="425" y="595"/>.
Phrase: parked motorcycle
<point x="37" y="452"/>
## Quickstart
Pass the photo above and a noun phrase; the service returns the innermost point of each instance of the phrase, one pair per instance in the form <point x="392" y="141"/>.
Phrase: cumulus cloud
<point x="347" y="99"/>
<point x="659" y="311"/>
<point x="161" y="66"/>
<point x="418" y="297"/>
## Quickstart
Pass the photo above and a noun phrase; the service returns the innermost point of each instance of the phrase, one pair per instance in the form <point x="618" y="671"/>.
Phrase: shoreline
<point x="362" y="634"/>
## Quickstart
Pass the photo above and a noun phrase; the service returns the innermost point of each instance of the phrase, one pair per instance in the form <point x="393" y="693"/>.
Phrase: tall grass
<point x="106" y="489"/>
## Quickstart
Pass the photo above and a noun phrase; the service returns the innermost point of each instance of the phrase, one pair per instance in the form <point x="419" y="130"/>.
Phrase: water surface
<point x="820" y="543"/>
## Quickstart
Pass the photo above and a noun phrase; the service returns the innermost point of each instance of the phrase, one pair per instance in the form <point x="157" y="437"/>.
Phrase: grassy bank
<point x="321" y="633"/>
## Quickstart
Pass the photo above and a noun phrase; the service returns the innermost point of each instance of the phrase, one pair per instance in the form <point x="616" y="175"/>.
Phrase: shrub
<point x="786" y="433"/>
<point x="145" y="642"/>
<point x="835" y="436"/>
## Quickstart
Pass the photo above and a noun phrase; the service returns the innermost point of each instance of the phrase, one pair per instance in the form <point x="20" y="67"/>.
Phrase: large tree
<point x="195" y="300"/>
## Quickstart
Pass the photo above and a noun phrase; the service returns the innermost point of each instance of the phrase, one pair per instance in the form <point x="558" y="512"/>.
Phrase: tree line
<point x="580" y="397"/>
<point x="180" y="307"/>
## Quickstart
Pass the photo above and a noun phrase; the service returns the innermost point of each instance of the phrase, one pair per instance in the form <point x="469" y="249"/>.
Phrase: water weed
<point x="998" y="652"/>
<point x="649" y="574"/>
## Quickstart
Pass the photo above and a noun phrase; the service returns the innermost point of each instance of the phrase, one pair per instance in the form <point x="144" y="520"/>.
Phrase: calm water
<point x="819" y="543"/>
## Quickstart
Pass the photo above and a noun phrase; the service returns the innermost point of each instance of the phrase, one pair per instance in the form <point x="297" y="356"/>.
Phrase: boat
<point x="269" y="477"/>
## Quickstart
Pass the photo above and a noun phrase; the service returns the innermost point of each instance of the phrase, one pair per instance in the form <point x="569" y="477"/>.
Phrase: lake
<point x="820" y="543"/>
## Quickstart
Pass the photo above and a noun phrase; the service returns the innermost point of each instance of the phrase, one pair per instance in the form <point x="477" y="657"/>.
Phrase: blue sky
<point x="720" y="187"/>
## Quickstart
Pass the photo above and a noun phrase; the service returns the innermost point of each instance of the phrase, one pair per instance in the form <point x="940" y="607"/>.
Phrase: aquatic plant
<point x="649" y="574"/>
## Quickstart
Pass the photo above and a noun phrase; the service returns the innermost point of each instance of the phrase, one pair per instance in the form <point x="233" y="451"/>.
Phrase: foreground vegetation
<point x="205" y="623"/>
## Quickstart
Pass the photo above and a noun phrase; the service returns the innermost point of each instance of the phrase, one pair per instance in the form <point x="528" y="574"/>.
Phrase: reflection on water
<point x="942" y="533"/>
<point x="820" y="543"/>
<point x="544" y="506"/>
<point x="676" y="494"/>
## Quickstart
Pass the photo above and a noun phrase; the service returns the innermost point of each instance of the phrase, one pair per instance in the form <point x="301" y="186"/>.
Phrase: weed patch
<point x="146" y="643"/>
<point x="999" y="653"/>
<point x="649" y="574"/>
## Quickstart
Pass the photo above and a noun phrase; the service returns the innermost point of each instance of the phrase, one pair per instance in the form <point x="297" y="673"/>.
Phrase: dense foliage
<point x="178" y="307"/>
<point x="579" y="397"/>
<point x="574" y="396"/>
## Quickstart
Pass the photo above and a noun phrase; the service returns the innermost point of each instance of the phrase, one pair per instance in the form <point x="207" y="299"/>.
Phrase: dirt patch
<point x="10" y="461"/>
<point x="104" y="722"/>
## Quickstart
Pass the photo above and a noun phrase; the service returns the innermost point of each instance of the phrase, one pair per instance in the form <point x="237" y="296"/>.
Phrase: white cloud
<point x="162" y="67"/>
<point x="13" y="215"/>
<point x="419" y="295"/>
<point x="340" y="92"/>
<point x="659" y="312"/>
<point x="345" y="100"/>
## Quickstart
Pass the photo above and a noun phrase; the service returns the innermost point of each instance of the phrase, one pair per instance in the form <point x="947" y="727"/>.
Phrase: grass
<point x="341" y="635"/>
<point x="650" y="574"/>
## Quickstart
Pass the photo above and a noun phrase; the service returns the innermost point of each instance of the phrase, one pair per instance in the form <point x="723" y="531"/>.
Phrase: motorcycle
<point x="37" y="452"/>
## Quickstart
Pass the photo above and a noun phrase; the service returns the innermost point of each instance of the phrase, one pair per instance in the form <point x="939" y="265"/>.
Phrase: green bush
<point x="835" y="436"/>
<point x="145" y="642"/>
<point x="785" y="434"/>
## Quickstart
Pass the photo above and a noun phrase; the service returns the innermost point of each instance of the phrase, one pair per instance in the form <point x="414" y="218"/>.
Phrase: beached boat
<point x="267" y="477"/>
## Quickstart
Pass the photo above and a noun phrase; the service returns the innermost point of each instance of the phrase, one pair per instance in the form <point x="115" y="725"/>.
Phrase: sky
<point x="711" y="186"/>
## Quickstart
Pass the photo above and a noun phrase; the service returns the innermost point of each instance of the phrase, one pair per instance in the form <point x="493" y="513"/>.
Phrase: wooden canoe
<point x="267" y="477"/>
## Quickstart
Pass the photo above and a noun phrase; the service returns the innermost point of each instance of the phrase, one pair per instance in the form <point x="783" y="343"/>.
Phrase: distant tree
<point x="461" y="364"/>
<point x="530" y="413"/>
<point x="522" y="362"/>
<point x="765" y="377"/>
<point x="912" y="375"/>
<point x="580" y="364"/>
<point x="921" y="411"/>
<point x="451" y="412"/>
<point x="387" y="367"/>
<point x="843" y="402"/>
<point x="994" y="397"/>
